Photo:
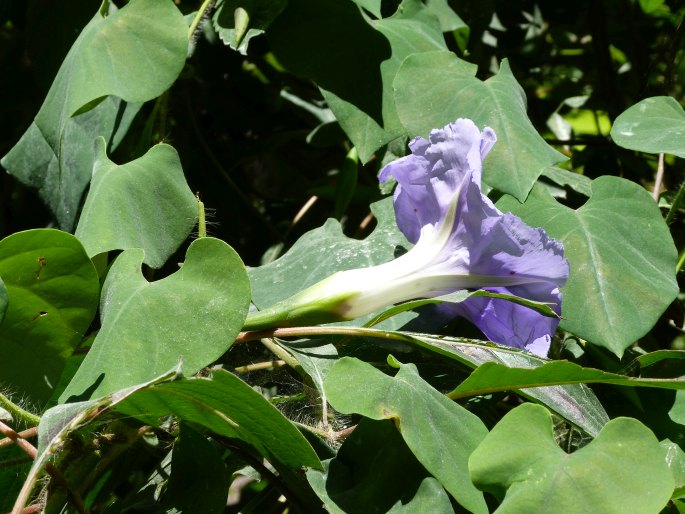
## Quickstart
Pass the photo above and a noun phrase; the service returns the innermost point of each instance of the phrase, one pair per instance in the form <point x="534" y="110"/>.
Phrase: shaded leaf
<point x="434" y="89"/>
<point x="199" y="479"/>
<point x="145" y="203"/>
<point x="654" y="125"/>
<point x="229" y="407"/>
<point x="621" y="255"/>
<point x="441" y="434"/>
<point x="374" y="471"/>
<point x="191" y="316"/>
<point x="53" y="292"/>
<point x="520" y="462"/>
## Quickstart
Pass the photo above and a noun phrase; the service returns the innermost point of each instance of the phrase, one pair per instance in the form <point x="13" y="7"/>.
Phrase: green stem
<point x="201" y="221"/>
<point x="18" y="413"/>
<point x="243" y="337"/>
<point x="676" y="204"/>
<point x="281" y="353"/>
<point x="681" y="261"/>
<point x="199" y="16"/>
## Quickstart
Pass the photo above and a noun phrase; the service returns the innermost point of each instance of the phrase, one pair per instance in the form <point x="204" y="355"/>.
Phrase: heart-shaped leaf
<point x="191" y="316"/>
<point x="53" y="292"/>
<point x="621" y="255"/>
<point x="654" y="125"/>
<point x="434" y="89"/>
<point x="441" y="433"/>
<point x="134" y="54"/>
<point x="622" y="470"/>
<point x="145" y="204"/>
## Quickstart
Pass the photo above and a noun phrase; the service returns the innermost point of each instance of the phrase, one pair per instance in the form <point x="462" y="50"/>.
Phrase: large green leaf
<point x="623" y="470"/>
<point x="53" y="292"/>
<point x="145" y="204"/>
<point x="433" y="89"/>
<point x="58" y="423"/>
<point x="191" y="316"/>
<point x="355" y="77"/>
<point x="134" y="54"/>
<point x="374" y="471"/>
<point x="621" y="255"/>
<point x="654" y="125"/>
<point x="441" y="433"/>
<point x="492" y="376"/>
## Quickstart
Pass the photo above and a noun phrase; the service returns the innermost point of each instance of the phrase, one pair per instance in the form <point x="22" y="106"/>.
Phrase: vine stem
<point x="244" y="337"/>
<point x="199" y="16"/>
<point x="659" y="178"/>
<point x="17" y="412"/>
<point x="201" y="220"/>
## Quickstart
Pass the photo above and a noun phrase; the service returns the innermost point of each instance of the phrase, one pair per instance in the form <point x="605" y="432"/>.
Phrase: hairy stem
<point x="17" y="412"/>
<point x="203" y="11"/>
<point x="201" y="221"/>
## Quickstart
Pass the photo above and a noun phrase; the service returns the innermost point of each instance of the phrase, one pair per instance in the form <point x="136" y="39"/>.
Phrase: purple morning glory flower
<point x="439" y="204"/>
<point x="462" y="241"/>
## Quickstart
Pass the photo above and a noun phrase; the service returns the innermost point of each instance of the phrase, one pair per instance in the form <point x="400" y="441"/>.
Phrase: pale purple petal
<point x="483" y="241"/>
<point x="429" y="177"/>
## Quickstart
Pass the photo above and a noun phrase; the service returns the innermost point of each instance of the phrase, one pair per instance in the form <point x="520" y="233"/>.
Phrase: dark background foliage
<point x="245" y="147"/>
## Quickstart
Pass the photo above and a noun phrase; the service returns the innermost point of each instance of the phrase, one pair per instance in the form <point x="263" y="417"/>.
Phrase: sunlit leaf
<point x="190" y="317"/>
<point x="133" y="54"/>
<point x="434" y="89"/>
<point x="654" y="125"/>
<point x="228" y="407"/>
<point x="145" y="204"/>
<point x="622" y="470"/>
<point x="622" y="260"/>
